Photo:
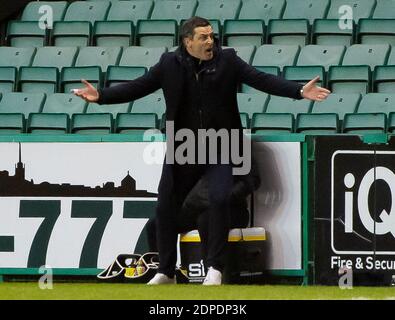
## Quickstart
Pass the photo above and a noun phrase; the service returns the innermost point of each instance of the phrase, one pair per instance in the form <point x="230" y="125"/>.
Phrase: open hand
<point x="313" y="92"/>
<point x="88" y="93"/>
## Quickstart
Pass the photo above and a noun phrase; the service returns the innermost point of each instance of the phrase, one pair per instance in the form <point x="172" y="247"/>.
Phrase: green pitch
<point x="106" y="291"/>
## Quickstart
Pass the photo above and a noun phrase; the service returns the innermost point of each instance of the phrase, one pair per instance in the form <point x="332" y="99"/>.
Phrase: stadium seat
<point x="366" y="54"/>
<point x="55" y="57"/>
<point x="71" y="34"/>
<point x="24" y="34"/>
<point x="98" y="56"/>
<point x="250" y="103"/>
<point x="304" y="74"/>
<point x="141" y="57"/>
<point x="262" y="10"/>
<point x="35" y="10"/>
<point x="7" y="79"/>
<point x="20" y="102"/>
<point x="174" y="9"/>
<point x="306" y="9"/>
<point x="117" y="74"/>
<point x="130" y="11"/>
<point x="12" y="123"/>
<point x="218" y="9"/>
<point x="272" y="70"/>
<point x="338" y="103"/>
<point x="272" y="123"/>
<point x="364" y="123"/>
<point x="87" y="11"/>
<point x="384" y="9"/>
<point x="317" y="123"/>
<point x="239" y="33"/>
<point x="356" y="8"/>
<point x="245" y="52"/>
<point x="276" y="55"/>
<point x="377" y="102"/>
<point x="156" y="33"/>
<point x="114" y="109"/>
<point x="384" y="79"/>
<point x="288" y="32"/>
<point x="16" y="57"/>
<point x="244" y="120"/>
<point x="376" y="31"/>
<point x="391" y="58"/>
<point x="349" y="79"/>
<point x="391" y="123"/>
<point x="329" y="32"/>
<point x="92" y="123"/>
<point x="48" y="123"/>
<point x="70" y="77"/>
<point x="113" y="33"/>
<point x="38" y="79"/>
<point x="153" y="103"/>
<point x="317" y="55"/>
<point x="64" y="103"/>
<point x="278" y="104"/>
<point x="135" y="123"/>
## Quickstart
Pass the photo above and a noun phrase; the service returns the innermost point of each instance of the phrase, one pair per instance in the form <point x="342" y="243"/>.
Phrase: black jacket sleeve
<point x="266" y="82"/>
<point x="134" y="89"/>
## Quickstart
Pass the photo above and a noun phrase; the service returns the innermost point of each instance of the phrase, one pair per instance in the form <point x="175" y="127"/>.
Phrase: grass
<point x="99" y="291"/>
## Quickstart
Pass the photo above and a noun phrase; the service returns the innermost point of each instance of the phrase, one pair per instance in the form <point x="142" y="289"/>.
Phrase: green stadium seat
<point x="384" y="9"/>
<point x="114" y="109"/>
<point x="153" y="103"/>
<point x="338" y="103"/>
<point x="7" y="79"/>
<point x="317" y="55"/>
<point x="130" y="11"/>
<point x="328" y="32"/>
<point x="70" y="77"/>
<point x="306" y="9"/>
<point x="87" y="11"/>
<point x="365" y="123"/>
<point x="384" y="79"/>
<point x="366" y="54"/>
<point x="12" y="123"/>
<point x="317" y="123"/>
<point x="71" y="34"/>
<point x="278" y="104"/>
<point x="391" y="58"/>
<point x="157" y="33"/>
<point x="377" y="103"/>
<point x="272" y="70"/>
<point x="113" y="33"/>
<point x="98" y="56"/>
<point x="304" y="74"/>
<point x="244" y="120"/>
<point x="288" y="32"/>
<point x="245" y="53"/>
<point x="276" y="55"/>
<point x="24" y="34"/>
<point x="349" y="79"/>
<point x="92" y="123"/>
<point x="135" y="123"/>
<point x="376" y="31"/>
<point x="174" y="9"/>
<point x="250" y="103"/>
<point x="35" y="10"/>
<point x="141" y="57"/>
<point x="359" y="9"/>
<point x="20" y="102"/>
<point x="238" y="33"/>
<point x="55" y="57"/>
<point x="64" y="103"/>
<point x="38" y="79"/>
<point x="117" y="74"/>
<point x="48" y="123"/>
<point x="391" y="123"/>
<point x="16" y="57"/>
<point x="218" y="9"/>
<point x="272" y="123"/>
<point x="262" y="10"/>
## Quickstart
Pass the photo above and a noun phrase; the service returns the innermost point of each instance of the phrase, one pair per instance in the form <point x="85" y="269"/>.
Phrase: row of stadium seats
<point x="339" y="79"/>
<point x="164" y="33"/>
<point x="265" y="55"/>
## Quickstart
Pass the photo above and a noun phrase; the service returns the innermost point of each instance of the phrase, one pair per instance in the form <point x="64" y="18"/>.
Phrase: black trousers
<point x="176" y="182"/>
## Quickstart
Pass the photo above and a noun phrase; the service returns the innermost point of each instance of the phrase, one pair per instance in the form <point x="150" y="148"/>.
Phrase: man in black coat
<point x="199" y="82"/>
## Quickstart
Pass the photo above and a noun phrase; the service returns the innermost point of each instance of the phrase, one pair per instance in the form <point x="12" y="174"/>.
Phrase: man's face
<point x="201" y="45"/>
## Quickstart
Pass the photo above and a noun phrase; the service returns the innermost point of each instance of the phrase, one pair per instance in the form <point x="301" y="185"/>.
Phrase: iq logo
<point x="363" y="202"/>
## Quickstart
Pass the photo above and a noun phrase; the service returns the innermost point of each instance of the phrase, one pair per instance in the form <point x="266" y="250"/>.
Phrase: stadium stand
<point x="71" y="77"/>
<point x="317" y="123"/>
<point x="363" y="123"/>
<point x="48" y="123"/>
<point x="118" y="74"/>
<point x="91" y="123"/>
<point x="129" y="122"/>
<point x="38" y="79"/>
<point x="7" y="79"/>
<point x="12" y="123"/>
<point x="272" y="123"/>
